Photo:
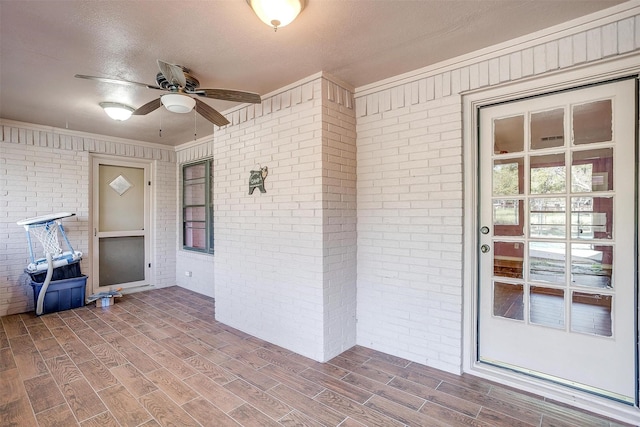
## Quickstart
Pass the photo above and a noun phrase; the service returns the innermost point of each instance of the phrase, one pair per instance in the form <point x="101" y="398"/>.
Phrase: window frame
<point x="208" y="206"/>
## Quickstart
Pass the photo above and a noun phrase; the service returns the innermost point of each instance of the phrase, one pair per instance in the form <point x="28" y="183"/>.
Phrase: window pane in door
<point x="547" y="218"/>
<point x="508" y="217"/>
<point x="508" y="135"/>
<point x="508" y="259"/>
<point x="546" y="306"/>
<point x="547" y="129"/>
<point x="592" y="170"/>
<point x="121" y="260"/>
<point x="547" y="262"/>
<point x="508" y="300"/>
<point x="592" y="218"/>
<point x="548" y="174"/>
<point x="592" y="122"/>
<point x="591" y="313"/>
<point x="508" y="177"/>
<point x="121" y="210"/>
<point x="591" y="265"/>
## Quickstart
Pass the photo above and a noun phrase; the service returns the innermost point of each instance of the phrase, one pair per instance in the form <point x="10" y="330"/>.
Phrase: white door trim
<point x="608" y="70"/>
<point x="148" y="166"/>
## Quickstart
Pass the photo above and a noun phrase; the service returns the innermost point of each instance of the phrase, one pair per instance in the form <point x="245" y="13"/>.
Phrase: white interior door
<point x="557" y="280"/>
<point x="120" y="223"/>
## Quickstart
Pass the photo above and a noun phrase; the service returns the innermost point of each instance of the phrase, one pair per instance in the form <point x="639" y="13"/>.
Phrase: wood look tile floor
<point x="160" y="358"/>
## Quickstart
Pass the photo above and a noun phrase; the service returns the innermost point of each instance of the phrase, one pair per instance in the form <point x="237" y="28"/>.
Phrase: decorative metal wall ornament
<point x="256" y="179"/>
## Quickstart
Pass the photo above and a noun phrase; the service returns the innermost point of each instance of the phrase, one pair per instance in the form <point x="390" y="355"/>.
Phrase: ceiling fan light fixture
<point x="117" y="111"/>
<point x="277" y="13"/>
<point x="178" y="103"/>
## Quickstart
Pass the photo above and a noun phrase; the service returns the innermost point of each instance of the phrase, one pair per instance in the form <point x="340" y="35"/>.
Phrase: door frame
<point x="555" y="81"/>
<point x="148" y="166"/>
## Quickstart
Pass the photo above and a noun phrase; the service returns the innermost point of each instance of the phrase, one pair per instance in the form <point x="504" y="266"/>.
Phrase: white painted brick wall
<point x="44" y="170"/>
<point x="202" y="270"/>
<point x="409" y="232"/>
<point x="268" y="247"/>
<point x="409" y="172"/>
<point x="284" y="263"/>
<point x="165" y="225"/>
<point x="36" y="181"/>
<point x="339" y="222"/>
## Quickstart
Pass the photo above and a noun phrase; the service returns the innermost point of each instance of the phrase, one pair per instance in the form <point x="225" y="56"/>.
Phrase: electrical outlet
<point x="187" y="273"/>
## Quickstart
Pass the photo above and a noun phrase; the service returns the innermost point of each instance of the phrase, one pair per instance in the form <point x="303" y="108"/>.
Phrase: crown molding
<point x="80" y="134"/>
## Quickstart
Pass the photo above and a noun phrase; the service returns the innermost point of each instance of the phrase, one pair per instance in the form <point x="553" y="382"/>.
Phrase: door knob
<point x="484" y="230"/>
<point x="484" y="249"/>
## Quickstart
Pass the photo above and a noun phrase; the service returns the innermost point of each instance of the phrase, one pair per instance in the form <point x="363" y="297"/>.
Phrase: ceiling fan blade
<point x="228" y="95"/>
<point x="147" y="108"/>
<point x="117" y="81"/>
<point x="172" y="73"/>
<point x="210" y="114"/>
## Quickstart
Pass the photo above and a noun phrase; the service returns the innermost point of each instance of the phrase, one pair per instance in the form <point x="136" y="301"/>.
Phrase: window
<point x="197" y="206"/>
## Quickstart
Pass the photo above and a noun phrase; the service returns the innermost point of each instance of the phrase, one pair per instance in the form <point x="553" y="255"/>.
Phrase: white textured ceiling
<point x="43" y="44"/>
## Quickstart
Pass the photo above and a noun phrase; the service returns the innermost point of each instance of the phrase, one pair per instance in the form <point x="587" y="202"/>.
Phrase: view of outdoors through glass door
<point x="557" y="243"/>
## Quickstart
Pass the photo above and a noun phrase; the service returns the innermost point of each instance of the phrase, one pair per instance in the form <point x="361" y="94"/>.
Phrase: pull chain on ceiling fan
<point x="180" y="84"/>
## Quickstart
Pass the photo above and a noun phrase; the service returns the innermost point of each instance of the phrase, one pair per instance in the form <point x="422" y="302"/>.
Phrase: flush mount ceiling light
<point x="178" y="103"/>
<point x="117" y="111"/>
<point x="277" y="13"/>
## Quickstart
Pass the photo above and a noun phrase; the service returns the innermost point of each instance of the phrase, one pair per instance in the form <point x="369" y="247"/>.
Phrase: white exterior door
<point x="557" y="257"/>
<point x="120" y="223"/>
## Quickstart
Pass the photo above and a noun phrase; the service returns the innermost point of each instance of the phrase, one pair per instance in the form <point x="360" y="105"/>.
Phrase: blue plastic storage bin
<point x="63" y="272"/>
<point x="61" y="294"/>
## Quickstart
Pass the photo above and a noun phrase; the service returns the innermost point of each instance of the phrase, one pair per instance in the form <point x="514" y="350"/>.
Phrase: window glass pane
<point x="508" y="177"/>
<point x="592" y="122"/>
<point x="507" y="259"/>
<point x="591" y="265"/>
<point x="112" y="203"/>
<point x="547" y="262"/>
<point x="591" y="218"/>
<point x="121" y="260"/>
<point x="194" y="194"/>
<point x="195" y="235"/>
<point x="548" y="174"/>
<point x="546" y="306"/>
<point x="194" y="171"/>
<point x="547" y="217"/>
<point x="592" y="170"/>
<point x="547" y="129"/>
<point x="591" y="314"/>
<point x="195" y="214"/>
<point x="508" y="135"/>
<point x="508" y="300"/>
<point x="507" y="215"/>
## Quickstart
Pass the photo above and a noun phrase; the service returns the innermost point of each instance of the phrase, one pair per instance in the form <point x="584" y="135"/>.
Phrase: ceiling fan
<point x="178" y="81"/>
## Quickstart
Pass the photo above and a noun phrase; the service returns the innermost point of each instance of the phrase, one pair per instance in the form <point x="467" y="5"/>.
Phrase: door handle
<point x="484" y="230"/>
<point x="484" y="249"/>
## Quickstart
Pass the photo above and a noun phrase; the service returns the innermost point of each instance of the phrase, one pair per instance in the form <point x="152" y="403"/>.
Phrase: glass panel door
<point x="120" y="220"/>
<point x="557" y="266"/>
